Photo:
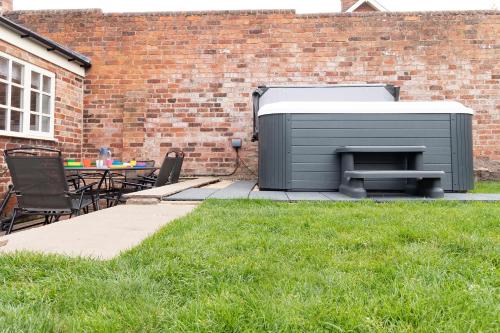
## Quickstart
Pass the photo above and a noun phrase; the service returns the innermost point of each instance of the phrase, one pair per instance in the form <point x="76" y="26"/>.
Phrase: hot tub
<point x="298" y="141"/>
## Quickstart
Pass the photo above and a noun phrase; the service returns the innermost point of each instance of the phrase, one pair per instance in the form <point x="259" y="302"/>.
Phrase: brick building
<point x="358" y="6"/>
<point x="162" y="81"/>
<point x="41" y="92"/>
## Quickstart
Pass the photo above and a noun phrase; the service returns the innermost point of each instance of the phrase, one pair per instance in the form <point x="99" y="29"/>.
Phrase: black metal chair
<point x="169" y="173"/>
<point x="5" y="218"/>
<point x="41" y="187"/>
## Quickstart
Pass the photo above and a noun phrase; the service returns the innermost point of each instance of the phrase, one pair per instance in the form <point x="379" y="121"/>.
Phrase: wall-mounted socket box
<point x="236" y="143"/>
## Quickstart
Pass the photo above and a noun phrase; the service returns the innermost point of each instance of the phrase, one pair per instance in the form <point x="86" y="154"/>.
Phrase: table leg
<point x="103" y="179"/>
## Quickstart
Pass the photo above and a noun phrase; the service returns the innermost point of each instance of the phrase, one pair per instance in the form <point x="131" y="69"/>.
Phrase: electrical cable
<point x="246" y="166"/>
<point x="238" y="163"/>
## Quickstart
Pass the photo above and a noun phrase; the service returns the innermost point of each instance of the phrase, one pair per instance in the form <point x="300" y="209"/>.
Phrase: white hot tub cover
<point x="364" y="107"/>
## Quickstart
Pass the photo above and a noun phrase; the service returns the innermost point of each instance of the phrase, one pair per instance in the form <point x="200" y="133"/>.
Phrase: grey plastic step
<point x="381" y="149"/>
<point x="387" y="174"/>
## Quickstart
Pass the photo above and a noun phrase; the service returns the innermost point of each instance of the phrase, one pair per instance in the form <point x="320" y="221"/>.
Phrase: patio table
<point x="106" y="173"/>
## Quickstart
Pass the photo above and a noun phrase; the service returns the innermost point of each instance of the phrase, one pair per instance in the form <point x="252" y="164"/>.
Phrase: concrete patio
<point x="106" y="233"/>
<point x="101" y="235"/>
<point x="249" y="190"/>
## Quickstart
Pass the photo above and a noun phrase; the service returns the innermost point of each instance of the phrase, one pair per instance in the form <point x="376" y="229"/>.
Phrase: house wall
<point x="6" y="5"/>
<point x="184" y="80"/>
<point x="346" y="4"/>
<point x="68" y="115"/>
<point x="365" y="8"/>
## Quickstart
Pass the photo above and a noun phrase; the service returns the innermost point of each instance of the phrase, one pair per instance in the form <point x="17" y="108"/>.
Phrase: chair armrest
<point x="74" y="178"/>
<point x="132" y="184"/>
<point x="83" y="189"/>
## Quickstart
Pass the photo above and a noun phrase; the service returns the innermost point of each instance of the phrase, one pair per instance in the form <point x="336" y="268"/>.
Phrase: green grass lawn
<point x="487" y="187"/>
<point x="258" y="266"/>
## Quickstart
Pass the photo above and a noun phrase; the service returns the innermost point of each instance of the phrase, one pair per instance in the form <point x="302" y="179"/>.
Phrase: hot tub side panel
<point x="274" y="152"/>
<point x="315" y="137"/>
<point x="462" y="154"/>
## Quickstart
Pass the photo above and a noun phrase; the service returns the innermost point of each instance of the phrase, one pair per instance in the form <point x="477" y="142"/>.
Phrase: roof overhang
<point x="372" y="3"/>
<point x="43" y="47"/>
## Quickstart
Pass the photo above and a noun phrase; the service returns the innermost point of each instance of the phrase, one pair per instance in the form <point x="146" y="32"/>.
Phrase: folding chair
<point x="41" y="187"/>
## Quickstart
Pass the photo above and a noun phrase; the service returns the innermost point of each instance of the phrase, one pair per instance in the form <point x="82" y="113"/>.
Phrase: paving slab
<point x="306" y="196"/>
<point x="238" y="190"/>
<point x="168" y="190"/>
<point x="192" y="194"/>
<point x="472" y="196"/>
<point x="466" y="197"/>
<point x="447" y="197"/>
<point x="102" y="235"/>
<point x="337" y="196"/>
<point x="220" y="184"/>
<point x="270" y="195"/>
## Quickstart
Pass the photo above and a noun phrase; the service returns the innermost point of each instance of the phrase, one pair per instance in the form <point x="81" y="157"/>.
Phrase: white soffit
<point x="38" y="50"/>
<point x="372" y="3"/>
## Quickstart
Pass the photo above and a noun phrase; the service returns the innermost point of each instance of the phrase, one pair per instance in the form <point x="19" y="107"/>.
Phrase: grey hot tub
<point x="298" y="140"/>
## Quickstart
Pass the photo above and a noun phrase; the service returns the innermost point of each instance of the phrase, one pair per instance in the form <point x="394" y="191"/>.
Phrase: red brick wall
<point x="365" y="8"/>
<point x="162" y="81"/>
<point x="68" y="116"/>
<point x="5" y="5"/>
<point x="346" y="4"/>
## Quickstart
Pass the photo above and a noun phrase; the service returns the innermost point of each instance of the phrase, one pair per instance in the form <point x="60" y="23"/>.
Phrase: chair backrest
<point x="169" y="166"/>
<point x="176" y="172"/>
<point x="39" y="180"/>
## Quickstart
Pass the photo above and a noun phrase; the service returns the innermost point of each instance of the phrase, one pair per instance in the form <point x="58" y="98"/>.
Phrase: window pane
<point x="46" y="124"/>
<point x="46" y="84"/>
<point x="3" y="93"/>
<point x="17" y="73"/>
<point x="3" y="119"/>
<point x="35" y="101"/>
<point x="35" y="80"/>
<point x="34" y="122"/>
<point x="16" y="121"/>
<point x="16" y="98"/>
<point x="4" y="68"/>
<point x="46" y="104"/>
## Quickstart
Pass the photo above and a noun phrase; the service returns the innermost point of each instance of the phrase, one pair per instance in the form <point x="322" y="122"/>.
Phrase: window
<point x="26" y="99"/>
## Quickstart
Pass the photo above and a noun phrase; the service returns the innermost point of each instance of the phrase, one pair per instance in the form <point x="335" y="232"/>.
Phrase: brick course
<point x="184" y="80"/>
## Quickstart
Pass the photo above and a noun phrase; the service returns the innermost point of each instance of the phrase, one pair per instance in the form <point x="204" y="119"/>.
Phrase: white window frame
<point x="26" y="109"/>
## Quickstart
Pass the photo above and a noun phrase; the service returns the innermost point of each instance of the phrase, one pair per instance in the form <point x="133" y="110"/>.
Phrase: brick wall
<point x="184" y="80"/>
<point x="68" y="118"/>
<point x="346" y="4"/>
<point x="365" y="8"/>
<point x="6" y="5"/>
